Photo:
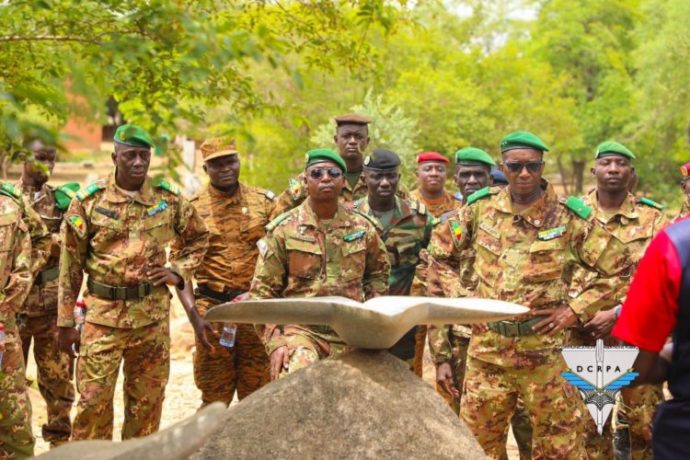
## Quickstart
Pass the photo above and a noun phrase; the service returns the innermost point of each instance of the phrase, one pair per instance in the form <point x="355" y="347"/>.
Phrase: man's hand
<point x="241" y="298"/>
<point x="444" y="377"/>
<point x="279" y="360"/>
<point x="202" y="328"/>
<point x="480" y="327"/>
<point x="556" y="320"/>
<point x="68" y="340"/>
<point x="600" y="326"/>
<point x="160" y="275"/>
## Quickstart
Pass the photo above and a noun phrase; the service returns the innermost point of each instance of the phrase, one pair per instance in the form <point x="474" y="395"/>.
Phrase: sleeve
<point x="20" y="278"/>
<point x="192" y="243"/>
<point x="378" y="266"/>
<point x="439" y="344"/>
<point x="652" y="298"/>
<point x="74" y="237"/>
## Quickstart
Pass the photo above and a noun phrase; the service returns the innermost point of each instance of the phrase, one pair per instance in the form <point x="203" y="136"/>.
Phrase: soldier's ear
<point x="113" y="156"/>
<point x="205" y="170"/>
<point x="592" y="171"/>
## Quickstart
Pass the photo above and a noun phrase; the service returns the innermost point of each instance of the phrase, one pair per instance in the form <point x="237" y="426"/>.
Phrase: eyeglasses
<point x="517" y="166"/>
<point x="317" y="173"/>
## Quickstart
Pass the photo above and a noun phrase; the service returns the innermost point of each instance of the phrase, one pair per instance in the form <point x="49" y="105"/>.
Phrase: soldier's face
<point x="352" y="140"/>
<point x="382" y="184"/>
<point x="613" y="173"/>
<point x="44" y="162"/>
<point x="523" y="171"/>
<point x="132" y="164"/>
<point x="223" y="172"/>
<point x="469" y="179"/>
<point x="322" y="185"/>
<point x="432" y="176"/>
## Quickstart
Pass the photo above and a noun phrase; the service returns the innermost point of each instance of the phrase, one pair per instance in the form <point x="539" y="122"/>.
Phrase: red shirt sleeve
<point x="649" y="313"/>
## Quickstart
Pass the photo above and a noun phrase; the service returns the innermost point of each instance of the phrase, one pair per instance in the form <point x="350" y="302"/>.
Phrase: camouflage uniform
<point x="16" y="275"/>
<point x="38" y="322"/>
<point x="405" y="236"/>
<point x="304" y="257"/>
<point x="114" y="237"/>
<point x="522" y="258"/>
<point x="614" y="248"/>
<point x="684" y="210"/>
<point x="235" y="224"/>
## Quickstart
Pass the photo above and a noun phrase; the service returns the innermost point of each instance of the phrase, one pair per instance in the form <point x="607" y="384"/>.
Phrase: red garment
<point x="649" y="313"/>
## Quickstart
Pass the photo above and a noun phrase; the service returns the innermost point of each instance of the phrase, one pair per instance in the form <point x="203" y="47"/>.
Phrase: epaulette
<point x="419" y="207"/>
<point x="89" y="190"/>
<point x="168" y="187"/>
<point x="8" y="189"/>
<point x="64" y="194"/>
<point x="578" y="207"/>
<point x="650" y="203"/>
<point x="277" y="221"/>
<point x="371" y="220"/>
<point x="480" y="194"/>
<point x="269" y="194"/>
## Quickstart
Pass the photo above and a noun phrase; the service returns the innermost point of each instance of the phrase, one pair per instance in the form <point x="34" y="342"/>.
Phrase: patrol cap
<point x="381" y="159"/>
<point x="473" y="155"/>
<point x="322" y="155"/>
<point x="134" y="136"/>
<point x="431" y="156"/>
<point x="217" y="147"/>
<point x="613" y="148"/>
<point x="352" y="119"/>
<point x="685" y="170"/>
<point x="521" y="140"/>
<point x="499" y="177"/>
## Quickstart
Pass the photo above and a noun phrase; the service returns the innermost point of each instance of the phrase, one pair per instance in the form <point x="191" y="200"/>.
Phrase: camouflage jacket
<point x="684" y="210"/>
<point x="235" y="224"/>
<point x="407" y="234"/>
<point x="303" y="257"/>
<point x="437" y="208"/>
<point x="521" y="257"/>
<point x="114" y="237"/>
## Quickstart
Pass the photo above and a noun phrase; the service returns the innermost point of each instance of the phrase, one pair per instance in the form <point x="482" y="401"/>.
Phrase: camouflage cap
<point x="381" y="159"/>
<point x="134" y="136"/>
<point x="521" y="140"/>
<point x="352" y="119"/>
<point x="216" y="147"/>
<point x="323" y="155"/>
<point x="473" y="155"/>
<point x="613" y="148"/>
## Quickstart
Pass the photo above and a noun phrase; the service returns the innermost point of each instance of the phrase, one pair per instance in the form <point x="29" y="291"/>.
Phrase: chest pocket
<point x="252" y="228"/>
<point x="618" y="253"/>
<point x="488" y="251"/>
<point x="105" y="229"/>
<point x="304" y="258"/>
<point x="546" y="260"/>
<point x="159" y="226"/>
<point x="354" y="260"/>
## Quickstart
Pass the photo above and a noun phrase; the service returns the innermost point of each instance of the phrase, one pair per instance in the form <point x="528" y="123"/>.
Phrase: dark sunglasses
<point x="317" y="173"/>
<point x="516" y="166"/>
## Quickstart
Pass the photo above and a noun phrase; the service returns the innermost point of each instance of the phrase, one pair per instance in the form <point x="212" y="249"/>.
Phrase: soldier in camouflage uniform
<point x="527" y="241"/>
<point x="685" y="186"/>
<point x="624" y="227"/>
<point x="319" y="248"/>
<point x="405" y="228"/>
<point x="117" y="231"/>
<point x="431" y="173"/>
<point x="37" y="320"/>
<point x="235" y="214"/>
<point x="18" y="227"/>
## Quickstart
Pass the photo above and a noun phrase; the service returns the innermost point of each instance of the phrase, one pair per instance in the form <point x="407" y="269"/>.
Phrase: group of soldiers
<point x="346" y="227"/>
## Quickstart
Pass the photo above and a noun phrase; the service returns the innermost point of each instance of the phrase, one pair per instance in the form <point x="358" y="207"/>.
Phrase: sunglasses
<point x="517" y="166"/>
<point x="317" y="173"/>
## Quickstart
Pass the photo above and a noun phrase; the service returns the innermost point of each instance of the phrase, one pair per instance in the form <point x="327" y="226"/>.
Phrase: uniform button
<point x="537" y="222"/>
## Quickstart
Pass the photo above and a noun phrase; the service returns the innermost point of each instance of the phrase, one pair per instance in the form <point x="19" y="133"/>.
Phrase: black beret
<point x="381" y="159"/>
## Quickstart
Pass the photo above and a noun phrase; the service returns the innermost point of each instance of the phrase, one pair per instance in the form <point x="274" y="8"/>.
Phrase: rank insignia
<point x="160" y="207"/>
<point x="551" y="233"/>
<point x="455" y="230"/>
<point x="78" y="225"/>
<point x="262" y="246"/>
<point x="358" y="235"/>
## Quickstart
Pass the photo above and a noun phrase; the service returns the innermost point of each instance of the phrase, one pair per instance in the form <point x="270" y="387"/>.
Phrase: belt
<point x="107" y="292"/>
<point x="225" y="296"/>
<point x="514" y="328"/>
<point x="47" y="275"/>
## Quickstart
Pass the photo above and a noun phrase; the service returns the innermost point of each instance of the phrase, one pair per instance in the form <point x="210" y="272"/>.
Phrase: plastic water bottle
<point x="2" y="341"/>
<point x="227" y="337"/>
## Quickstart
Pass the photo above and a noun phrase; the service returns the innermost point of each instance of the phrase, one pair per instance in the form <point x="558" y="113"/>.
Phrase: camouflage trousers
<point x="146" y="355"/>
<point x="522" y="428"/>
<point x="636" y="407"/>
<point x="16" y="439"/>
<point x="490" y="396"/>
<point x="221" y="371"/>
<point x="306" y="349"/>
<point x="54" y="375"/>
<point x="419" y="343"/>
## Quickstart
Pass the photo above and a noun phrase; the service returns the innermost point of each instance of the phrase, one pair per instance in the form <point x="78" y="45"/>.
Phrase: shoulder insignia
<point x="371" y="220"/>
<point x="478" y="195"/>
<point x="78" y="224"/>
<point x="89" y="190"/>
<point x="651" y="203"/>
<point x="168" y="187"/>
<point x="277" y="221"/>
<point x="579" y="207"/>
<point x="64" y="195"/>
<point x="269" y="194"/>
<point x="358" y="235"/>
<point x="8" y="189"/>
<point x="455" y="231"/>
<point x="295" y="189"/>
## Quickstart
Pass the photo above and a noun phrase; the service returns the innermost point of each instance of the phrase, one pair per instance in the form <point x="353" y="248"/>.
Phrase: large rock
<point x="362" y="405"/>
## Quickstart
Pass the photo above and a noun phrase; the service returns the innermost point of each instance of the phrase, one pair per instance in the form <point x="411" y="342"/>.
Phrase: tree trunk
<point x="579" y="175"/>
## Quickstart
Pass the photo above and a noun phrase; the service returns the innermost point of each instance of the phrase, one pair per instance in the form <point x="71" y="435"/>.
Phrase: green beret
<point x="381" y="159"/>
<point x="322" y="155"/>
<point x="64" y="195"/>
<point x="134" y="136"/>
<point x="474" y="155"/>
<point x="615" y="148"/>
<point x="522" y="139"/>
